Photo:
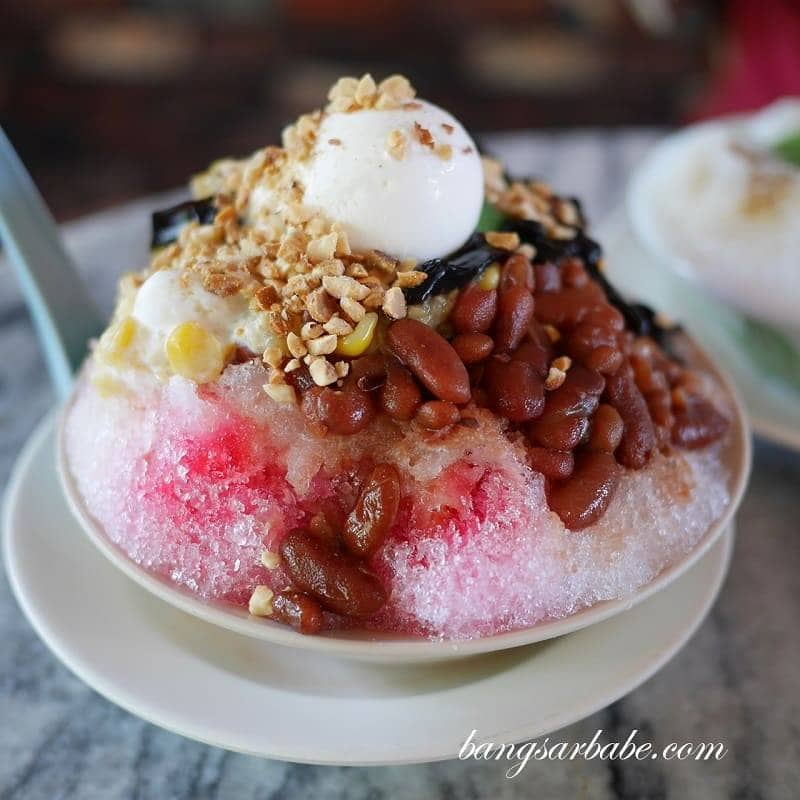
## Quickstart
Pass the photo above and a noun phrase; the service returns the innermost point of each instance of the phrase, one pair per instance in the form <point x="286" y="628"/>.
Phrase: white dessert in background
<point x="717" y="203"/>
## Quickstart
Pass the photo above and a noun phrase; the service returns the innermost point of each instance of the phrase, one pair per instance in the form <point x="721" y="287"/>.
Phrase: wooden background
<point x="107" y="99"/>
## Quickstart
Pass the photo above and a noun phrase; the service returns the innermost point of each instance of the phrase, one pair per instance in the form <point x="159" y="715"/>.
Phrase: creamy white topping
<point x="418" y="199"/>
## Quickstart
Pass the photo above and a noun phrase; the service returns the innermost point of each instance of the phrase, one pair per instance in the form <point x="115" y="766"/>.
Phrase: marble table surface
<point x="737" y="680"/>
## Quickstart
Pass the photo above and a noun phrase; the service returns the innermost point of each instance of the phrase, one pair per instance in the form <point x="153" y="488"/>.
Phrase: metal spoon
<point x="63" y="315"/>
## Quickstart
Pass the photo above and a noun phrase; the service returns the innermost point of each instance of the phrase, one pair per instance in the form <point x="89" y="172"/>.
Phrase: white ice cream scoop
<point x="407" y="181"/>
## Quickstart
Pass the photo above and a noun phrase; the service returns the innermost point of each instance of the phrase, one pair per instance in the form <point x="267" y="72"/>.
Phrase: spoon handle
<point x="63" y="315"/>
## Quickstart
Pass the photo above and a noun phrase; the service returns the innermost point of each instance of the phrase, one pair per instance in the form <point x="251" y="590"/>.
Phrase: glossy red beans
<point x="338" y="581"/>
<point x="369" y="522"/>
<point x="514" y="388"/>
<point x="474" y="309"/>
<point x="431" y="358"/>
<point x="584" y="497"/>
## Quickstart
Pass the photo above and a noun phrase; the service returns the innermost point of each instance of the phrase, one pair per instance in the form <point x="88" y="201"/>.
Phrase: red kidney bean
<point x="554" y="464"/>
<point x="368" y="523"/>
<point x="514" y="314"/>
<point x="475" y="372"/>
<point x="606" y="429"/>
<point x="514" y="388"/>
<point x="584" y="497"/>
<point x="400" y="396"/>
<point x="698" y="424"/>
<point x="639" y="436"/>
<point x="368" y="372"/>
<point x="673" y="372"/>
<point x="573" y="273"/>
<point x="626" y="339"/>
<point x="547" y="277"/>
<point x="474" y="309"/>
<point x="517" y="271"/>
<point x="537" y="334"/>
<point x="558" y="433"/>
<point x="648" y="378"/>
<point x="480" y="397"/>
<point x="565" y="420"/>
<point x="605" y="316"/>
<point x="337" y="580"/>
<point x="605" y="359"/>
<point x="568" y="307"/>
<point x="534" y="354"/>
<point x="299" y="610"/>
<point x="437" y="414"/>
<point x="659" y="404"/>
<point x="339" y="412"/>
<point x="431" y="358"/>
<point x="473" y="347"/>
<point x="578" y="395"/>
<point x="585" y="338"/>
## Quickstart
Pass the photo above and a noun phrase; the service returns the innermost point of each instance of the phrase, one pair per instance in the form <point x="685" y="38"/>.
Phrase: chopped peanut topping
<point x="503" y="240"/>
<point x="343" y="286"/>
<point x="394" y="303"/>
<point x="353" y="309"/>
<point x="270" y="560"/>
<point x="311" y="330"/>
<point x="338" y="326"/>
<point x="296" y="345"/>
<point x="396" y="144"/>
<point x="444" y="151"/>
<point x="323" y="346"/>
<point x="562" y="363"/>
<point x="423" y="135"/>
<point x="280" y="393"/>
<point x="260" y="604"/>
<point x="322" y="372"/>
<point x="555" y="378"/>
<point x="410" y="279"/>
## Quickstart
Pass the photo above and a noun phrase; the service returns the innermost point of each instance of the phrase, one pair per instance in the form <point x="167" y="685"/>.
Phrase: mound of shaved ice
<point x="194" y="483"/>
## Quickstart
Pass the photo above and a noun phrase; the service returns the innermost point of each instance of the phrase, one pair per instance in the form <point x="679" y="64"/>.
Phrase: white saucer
<point x="235" y="692"/>
<point x="773" y="405"/>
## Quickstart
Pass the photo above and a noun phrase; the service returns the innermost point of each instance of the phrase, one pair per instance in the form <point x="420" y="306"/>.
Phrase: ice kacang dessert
<point x="368" y="380"/>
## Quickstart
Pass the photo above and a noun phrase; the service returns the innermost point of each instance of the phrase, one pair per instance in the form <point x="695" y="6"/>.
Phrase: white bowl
<point x="372" y="646"/>
<point x="742" y="289"/>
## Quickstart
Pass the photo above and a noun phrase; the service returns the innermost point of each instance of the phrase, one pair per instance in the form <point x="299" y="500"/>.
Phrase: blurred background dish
<point x="719" y="203"/>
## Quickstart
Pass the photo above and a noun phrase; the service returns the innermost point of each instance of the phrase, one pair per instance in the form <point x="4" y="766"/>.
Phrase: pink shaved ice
<point x="193" y="483"/>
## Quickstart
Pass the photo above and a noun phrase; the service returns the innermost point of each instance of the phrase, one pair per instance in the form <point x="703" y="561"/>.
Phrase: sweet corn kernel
<point x="490" y="278"/>
<point x="194" y="353"/>
<point x="115" y="341"/>
<point x="355" y="343"/>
